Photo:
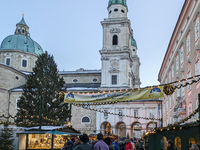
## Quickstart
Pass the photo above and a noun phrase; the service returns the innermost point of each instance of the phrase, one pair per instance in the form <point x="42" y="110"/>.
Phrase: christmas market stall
<point x="183" y="137"/>
<point x="49" y="137"/>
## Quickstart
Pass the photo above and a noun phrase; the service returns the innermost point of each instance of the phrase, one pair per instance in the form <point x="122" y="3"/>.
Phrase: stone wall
<point x="77" y="114"/>
<point x="82" y="78"/>
<point x="10" y="77"/>
<point x="4" y="96"/>
<point x="16" y="57"/>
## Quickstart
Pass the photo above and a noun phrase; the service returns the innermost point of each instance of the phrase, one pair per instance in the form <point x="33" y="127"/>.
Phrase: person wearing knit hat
<point x="85" y="146"/>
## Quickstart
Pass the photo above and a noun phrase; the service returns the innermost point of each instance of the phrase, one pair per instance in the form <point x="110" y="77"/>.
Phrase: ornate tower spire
<point x="123" y="2"/>
<point x="117" y="9"/>
<point x="21" y="27"/>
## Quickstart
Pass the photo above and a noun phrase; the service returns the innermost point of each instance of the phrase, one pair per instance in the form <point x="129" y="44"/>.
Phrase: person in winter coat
<point x="116" y="146"/>
<point x="170" y="145"/>
<point x="137" y="145"/>
<point x="128" y="145"/>
<point x="121" y="145"/>
<point x="100" y="145"/>
<point x="133" y="144"/>
<point x="194" y="147"/>
<point x="108" y="142"/>
<point x="85" y="145"/>
<point x="77" y="142"/>
<point x="141" y="145"/>
<point x="68" y="145"/>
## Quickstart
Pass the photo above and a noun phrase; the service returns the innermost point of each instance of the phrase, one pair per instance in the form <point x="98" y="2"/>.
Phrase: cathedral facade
<point x="119" y="70"/>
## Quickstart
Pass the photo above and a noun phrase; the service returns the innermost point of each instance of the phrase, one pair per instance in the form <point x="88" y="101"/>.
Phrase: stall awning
<point x="56" y="132"/>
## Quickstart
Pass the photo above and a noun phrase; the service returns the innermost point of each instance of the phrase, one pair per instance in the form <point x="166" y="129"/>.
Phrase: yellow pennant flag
<point x="128" y="95"/>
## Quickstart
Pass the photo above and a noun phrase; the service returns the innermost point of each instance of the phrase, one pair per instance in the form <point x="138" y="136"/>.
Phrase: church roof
<point x="82" y="86"/>
<point x="123" y="2"/>
<point x="80" y="72"/>
<point x="133" y="42"/>
<point x="22" y="22"/>
<point x="21" y="40"/>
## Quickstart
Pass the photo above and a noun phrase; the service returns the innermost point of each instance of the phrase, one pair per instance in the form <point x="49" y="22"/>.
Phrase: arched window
<point x="163" y="143"/>
<point x="177" y="143"/>
<point x="85" y="119"/>
<point x="115" y="40"/>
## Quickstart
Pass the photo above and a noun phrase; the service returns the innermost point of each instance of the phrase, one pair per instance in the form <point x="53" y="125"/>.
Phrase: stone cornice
<point x="115" y="20"/>
<point x="114" y="51"/>
<point x="113" y="70"/>
<point x="14" y="50"/>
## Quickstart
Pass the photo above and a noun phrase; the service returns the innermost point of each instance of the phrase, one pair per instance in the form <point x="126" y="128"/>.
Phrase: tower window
<point x="134" y="50"/>
<point x="24" y="63"/>
<point x="114" y="79"/>
<point x="122" y="11"/>
<point x="23" y="31"/>
<point x="94" y="80"/>
<point x="8" y="61"/>
<point x="110" y="12"/>
<point x="115" y="9"/>
<point x="18" y="30"/>
<point x="75" y="80"/>
<point x="17" y="78"/>
<point x="115" y="40"/>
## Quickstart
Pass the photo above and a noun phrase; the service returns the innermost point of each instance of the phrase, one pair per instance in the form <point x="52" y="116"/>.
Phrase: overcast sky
<point x="71" y="30"/>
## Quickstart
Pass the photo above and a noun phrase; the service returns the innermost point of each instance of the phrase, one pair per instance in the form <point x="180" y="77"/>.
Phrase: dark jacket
<point x="121" y="147"/>
<point x="68" y="145"/>
<point x="84" y="146"/>
<point x="170" y="148"/>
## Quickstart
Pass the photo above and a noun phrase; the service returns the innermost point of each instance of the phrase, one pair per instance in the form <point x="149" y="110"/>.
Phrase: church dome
<point x="133" y="42"/>
<point x="21" y="40"/>
<point x="123" y="2"/>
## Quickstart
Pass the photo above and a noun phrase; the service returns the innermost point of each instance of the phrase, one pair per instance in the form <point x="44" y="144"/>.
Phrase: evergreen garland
<point x="6" y="141"/>
<point x="43" y="94"/>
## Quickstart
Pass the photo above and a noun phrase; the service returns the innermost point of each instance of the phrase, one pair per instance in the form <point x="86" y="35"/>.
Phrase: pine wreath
<point x="168" y="89"/>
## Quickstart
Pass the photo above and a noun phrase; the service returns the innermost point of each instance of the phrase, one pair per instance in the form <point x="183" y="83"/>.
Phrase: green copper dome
<point x="123" y="2"/>
<point x="22" y="21"/>
<point x="21" y="40"/>
<point x="133" y="42"/>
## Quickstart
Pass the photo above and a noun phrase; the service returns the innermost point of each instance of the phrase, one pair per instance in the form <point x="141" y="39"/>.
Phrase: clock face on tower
<point x="114" y="63"/>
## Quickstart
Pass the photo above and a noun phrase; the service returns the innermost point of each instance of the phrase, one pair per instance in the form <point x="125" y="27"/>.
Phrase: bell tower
<point x="120" y="63"/>
<point x="22" y="28"/>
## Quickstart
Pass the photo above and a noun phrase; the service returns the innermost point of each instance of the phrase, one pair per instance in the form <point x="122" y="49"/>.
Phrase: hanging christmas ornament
<point x="169" y="89"/>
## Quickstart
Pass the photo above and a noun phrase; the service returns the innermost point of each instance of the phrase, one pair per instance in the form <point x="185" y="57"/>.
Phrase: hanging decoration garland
<point x="187" y="118"/>
<point x="177" y="125"/>
<point x="101" y="111"/>
<point x="168" y="89"/>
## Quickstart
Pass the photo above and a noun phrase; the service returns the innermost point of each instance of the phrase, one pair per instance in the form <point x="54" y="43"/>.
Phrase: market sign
<point x="116" y="96"/>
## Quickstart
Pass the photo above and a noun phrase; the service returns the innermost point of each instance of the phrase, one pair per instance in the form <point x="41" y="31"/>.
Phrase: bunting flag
<point x="116" y="96"/>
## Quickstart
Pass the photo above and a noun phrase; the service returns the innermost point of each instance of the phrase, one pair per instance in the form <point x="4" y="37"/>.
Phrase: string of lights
<point x="101" y="111"/>
<point x="61" y="122"/>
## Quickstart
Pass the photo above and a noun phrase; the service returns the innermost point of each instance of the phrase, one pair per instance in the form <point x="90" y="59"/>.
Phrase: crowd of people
<point x="101" y="143"/>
